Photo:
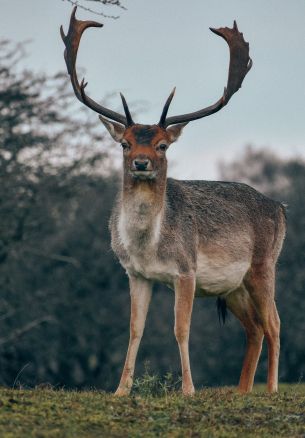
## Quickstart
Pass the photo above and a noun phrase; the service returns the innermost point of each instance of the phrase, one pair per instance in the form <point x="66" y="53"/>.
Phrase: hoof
<point x="273" y="390"/>
<point x="188" y="392"/>
<point x="243" y="391"/>
<point x="122" y="392"/>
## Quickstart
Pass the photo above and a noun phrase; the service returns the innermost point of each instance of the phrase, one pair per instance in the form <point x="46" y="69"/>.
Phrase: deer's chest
<point x="139" y="230"/>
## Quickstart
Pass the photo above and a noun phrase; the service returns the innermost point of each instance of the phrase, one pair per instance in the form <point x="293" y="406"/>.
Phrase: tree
<point x="42" y="176"/>
<point x="36" y="138"/>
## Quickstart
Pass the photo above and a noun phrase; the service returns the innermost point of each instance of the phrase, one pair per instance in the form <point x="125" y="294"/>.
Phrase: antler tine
<point x="130" y="122"/>
<point x="166" y="107"/>
<point x="240" y="64"/>
<point x="71" y="41"/>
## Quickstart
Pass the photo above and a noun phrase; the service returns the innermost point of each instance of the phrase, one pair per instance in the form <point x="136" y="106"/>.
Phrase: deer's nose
<point x="140" y="164"/>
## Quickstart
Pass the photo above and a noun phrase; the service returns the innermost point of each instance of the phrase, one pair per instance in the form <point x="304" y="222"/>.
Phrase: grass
<point x="164" y="413"/>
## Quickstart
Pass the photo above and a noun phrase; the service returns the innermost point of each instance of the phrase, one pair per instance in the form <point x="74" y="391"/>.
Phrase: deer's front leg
<point x="140" y="293"/>
<point x="184" y="297"/>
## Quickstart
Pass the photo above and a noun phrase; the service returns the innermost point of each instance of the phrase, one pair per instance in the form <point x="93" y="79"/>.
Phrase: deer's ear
<point x="175" y="131"/>
<point x="116" y="130"/>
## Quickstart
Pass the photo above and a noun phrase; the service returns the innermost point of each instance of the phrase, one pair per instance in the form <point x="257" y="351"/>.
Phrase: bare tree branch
<point x="19" y="332"/>
<point x="61" y="258"/>
<point x="109" y="3"/>
<point x="116" y="3"/>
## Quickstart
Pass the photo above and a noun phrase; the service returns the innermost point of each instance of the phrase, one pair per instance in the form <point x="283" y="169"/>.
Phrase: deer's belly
<point x="213" y="276"/>
<point x="152" y="269"/>
<point x="216" y="276"/>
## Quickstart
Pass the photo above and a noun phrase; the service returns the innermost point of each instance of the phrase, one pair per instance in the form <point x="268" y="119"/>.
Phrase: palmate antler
<point x="240" y="64"/>
<point x="71" y="41"/>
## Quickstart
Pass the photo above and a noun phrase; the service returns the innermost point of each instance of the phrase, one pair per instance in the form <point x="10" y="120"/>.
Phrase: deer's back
<point x="218" y="204"/>
<point x="221" y="210"/>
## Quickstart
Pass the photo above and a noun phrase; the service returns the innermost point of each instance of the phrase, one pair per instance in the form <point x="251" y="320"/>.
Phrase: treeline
<point x="64" y="305"/>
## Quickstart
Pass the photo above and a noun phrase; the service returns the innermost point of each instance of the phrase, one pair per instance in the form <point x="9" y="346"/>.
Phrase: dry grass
<point x="210" y="413"/>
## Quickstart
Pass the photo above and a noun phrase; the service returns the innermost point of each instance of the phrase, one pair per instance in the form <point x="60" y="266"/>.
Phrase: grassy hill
<point x="210" y="413"/>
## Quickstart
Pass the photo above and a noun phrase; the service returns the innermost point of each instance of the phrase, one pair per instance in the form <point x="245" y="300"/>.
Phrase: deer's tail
<point x="221" y="310"/>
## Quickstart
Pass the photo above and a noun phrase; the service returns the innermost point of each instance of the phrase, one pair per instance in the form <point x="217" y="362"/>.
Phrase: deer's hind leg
<point x="241" y="305"/>
<point x="260" y="282"/>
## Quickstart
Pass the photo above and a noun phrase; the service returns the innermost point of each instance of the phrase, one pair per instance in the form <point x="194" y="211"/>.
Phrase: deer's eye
<point x="125" y="146"/>
<point x="162" y="147"/>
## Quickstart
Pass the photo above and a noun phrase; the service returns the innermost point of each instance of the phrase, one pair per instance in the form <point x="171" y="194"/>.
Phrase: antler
<point x="240" y="64"/>
<point x="71" y="41"/>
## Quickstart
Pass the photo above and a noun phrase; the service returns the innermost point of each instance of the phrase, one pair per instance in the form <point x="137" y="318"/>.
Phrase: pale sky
<point x="156" y="45"/>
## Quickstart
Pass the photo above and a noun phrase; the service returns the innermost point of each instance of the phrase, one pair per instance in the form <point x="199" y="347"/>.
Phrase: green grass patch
<point x="210" y="413"/>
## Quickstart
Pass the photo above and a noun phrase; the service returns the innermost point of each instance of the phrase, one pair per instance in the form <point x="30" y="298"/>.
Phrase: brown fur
<point x="199" y="237"/>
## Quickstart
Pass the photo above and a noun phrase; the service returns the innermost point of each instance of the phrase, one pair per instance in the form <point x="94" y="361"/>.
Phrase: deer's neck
<point x="141" y="214"/>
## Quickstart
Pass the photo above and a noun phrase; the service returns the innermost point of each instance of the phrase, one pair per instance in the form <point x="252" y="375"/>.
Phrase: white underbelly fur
<point x="216" y="276"/>
<point x="212" y="277"/>
<point x="152" y="269"/>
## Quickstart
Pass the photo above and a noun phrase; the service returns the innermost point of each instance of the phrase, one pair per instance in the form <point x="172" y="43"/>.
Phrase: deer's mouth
<point x="143" y="174"/>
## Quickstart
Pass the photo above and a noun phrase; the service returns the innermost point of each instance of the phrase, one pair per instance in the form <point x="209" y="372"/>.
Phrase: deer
<point x="200" y="238"/>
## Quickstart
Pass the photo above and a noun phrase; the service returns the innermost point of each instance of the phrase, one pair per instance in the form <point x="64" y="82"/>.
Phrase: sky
<point x="156" y="45"/>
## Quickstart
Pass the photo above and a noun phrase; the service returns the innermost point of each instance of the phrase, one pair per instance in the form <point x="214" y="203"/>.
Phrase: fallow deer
<point x="201" y="238"/>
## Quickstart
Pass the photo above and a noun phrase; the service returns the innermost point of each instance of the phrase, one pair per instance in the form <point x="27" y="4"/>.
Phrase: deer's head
<point x="144" y="146"/>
